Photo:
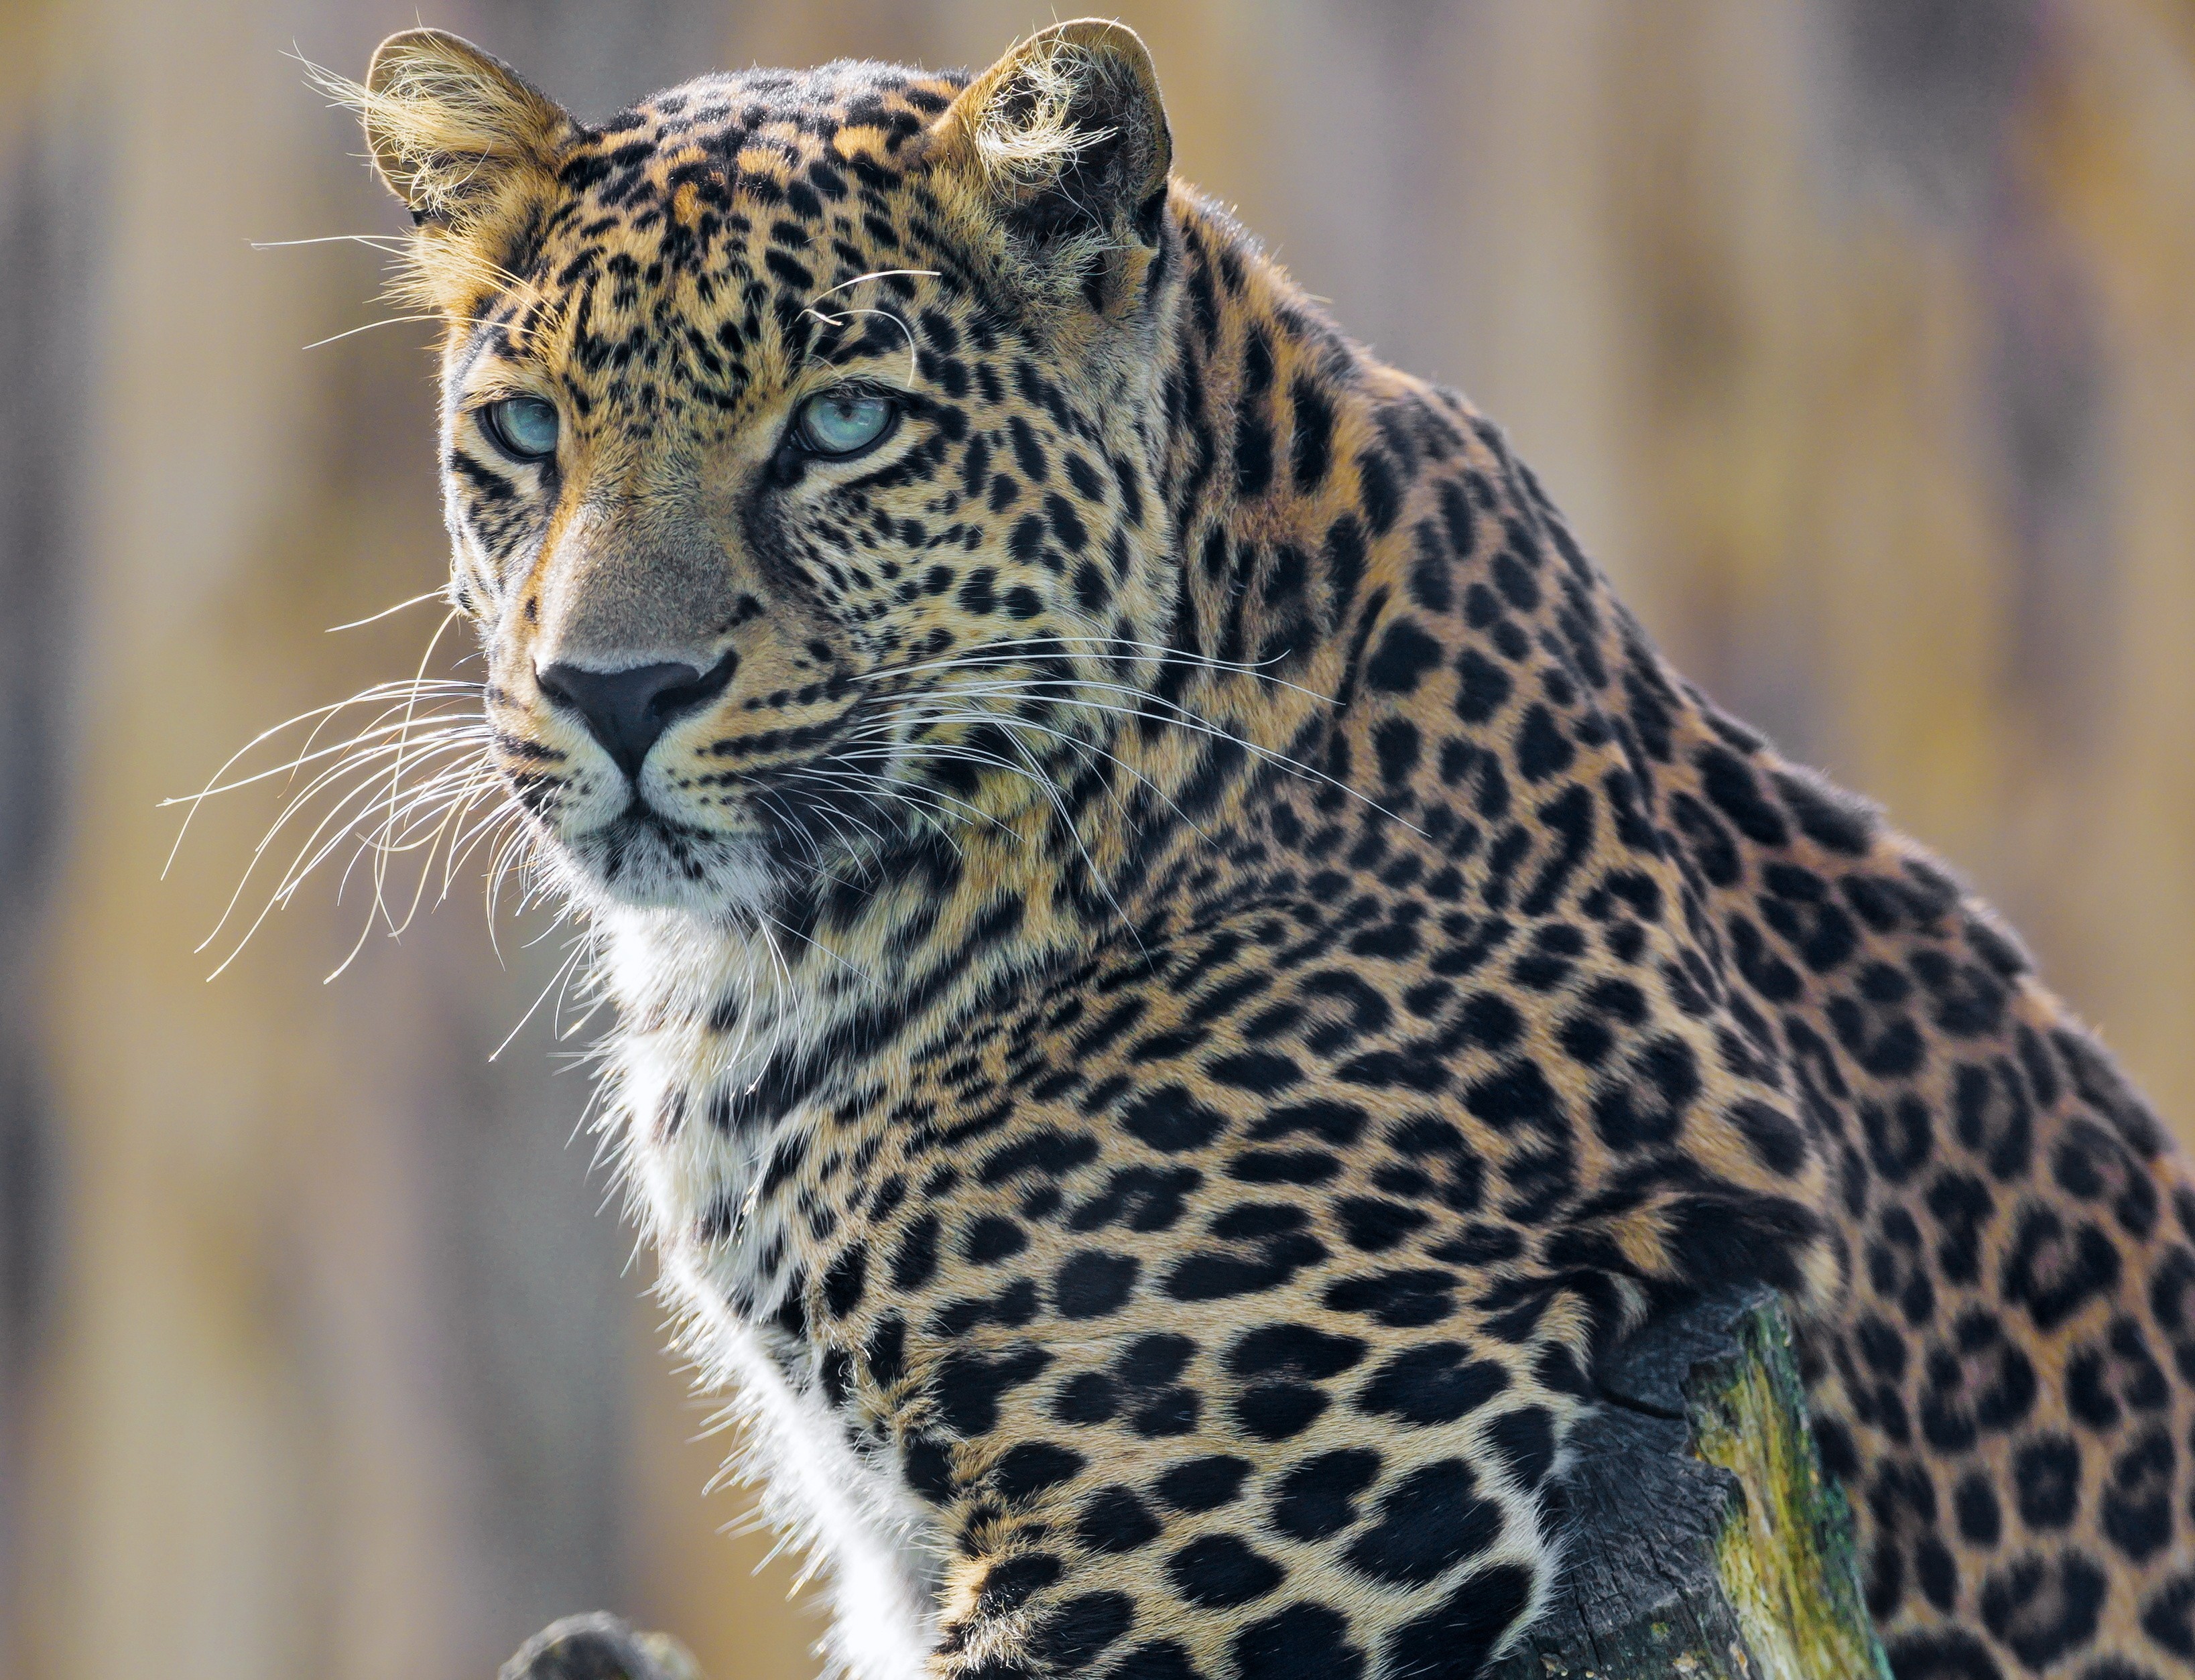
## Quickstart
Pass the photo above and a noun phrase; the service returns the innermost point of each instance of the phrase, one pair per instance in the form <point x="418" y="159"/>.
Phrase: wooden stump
<point x="1707" y="1543"/>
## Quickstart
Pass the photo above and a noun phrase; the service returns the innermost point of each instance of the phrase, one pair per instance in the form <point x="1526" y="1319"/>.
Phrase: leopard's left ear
<point x="1064" y="142"/>
<point x="453" y="128"/>
<point x="471" y="148"/>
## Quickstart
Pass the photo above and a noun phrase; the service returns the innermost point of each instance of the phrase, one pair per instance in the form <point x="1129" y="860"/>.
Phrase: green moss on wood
<point x="1785" y="1553"/>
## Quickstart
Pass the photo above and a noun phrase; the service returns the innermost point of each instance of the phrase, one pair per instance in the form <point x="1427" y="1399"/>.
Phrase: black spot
<point x="1087" y="1400"/>
<point x="1318" y="1497"/>
<point x="1216" y="1572"/>
<point x="1027" y="450"/>
<point x="1429" y="1522"/>
<point x="1028" y="1470"/>
<point x="2043" y="1608"/>
<point x="1542" y="749"/>
<point x="1091" y="1284"/>
<point x="1143" y="1198"/>
<point x="2054" y="1272"/>
<point x="1283" y="1166"/>
<point x="1009" y="1583"/>
<point x="1832" y="819"/>
<point x="2046" y="1476"/>
<point x="2137" y="1508"/>
<point x="1381" y="495"/>
<point x="1375" y="1226"/>
<point x="1311" y="446"/>
<point x="1944" y="1654"/>
<point x="1650" y="1109"/>
<point x="1293" y="1350"/>
<point x="1980" y="1382"/>
<point x="1730" y="783"/>
<point x="842" y="1284"/>
<point x="1114" y="1520"/>
<point x="1277" y="1247"/>
<point x="2168" y="1617"/>
<point x="916" y="1261"/>
<point x="1451" y="1642"/>
<point x="1524" y="1443"/>
<point x="1437" y="1384"/>
<point x="1402" y="1300"/>
<point x="1981" y="1522"/>
<point x="1900" y="1137"/>
<point x="969" y="1384"/>
<point x="885" y="1353"/>
<point x="1080" y="1628"/>
<point x="1518" y="1095"/>
<point x="1405" y="654"/>
<point x="1395" y="745"/>
<point x="2101" y="1380"/>
<point x="1263" y="1072"/>
<point x="1337" y="1123"/>
<point x="1203" y="1484"/>
<point x="1304" y="1641"/>
<point x="1278" y="1411"/>
<point x="1774" y="1139"/>
<point x="1170" y="1119"/>
<point x="994" y="1238"/>
<point x="1050" y="1152"/>
<point x="928" y="1465"/>
<point x="1482" y="687"/>
<point x="978" y="593"/>
<point x="1962" y="1205"/>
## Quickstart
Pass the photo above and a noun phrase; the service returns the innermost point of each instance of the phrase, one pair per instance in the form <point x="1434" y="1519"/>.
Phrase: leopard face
<point x="776" y="467"/>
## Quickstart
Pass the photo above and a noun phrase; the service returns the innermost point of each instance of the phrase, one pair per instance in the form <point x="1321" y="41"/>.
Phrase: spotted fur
<point x="1184" y="968"/>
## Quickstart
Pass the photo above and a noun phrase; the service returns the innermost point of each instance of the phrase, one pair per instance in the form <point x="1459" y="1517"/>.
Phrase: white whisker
<point x="442" y="594"/>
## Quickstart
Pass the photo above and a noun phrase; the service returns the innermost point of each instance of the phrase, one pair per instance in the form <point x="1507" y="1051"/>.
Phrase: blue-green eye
<point x="522" y="427"/>
<point x="844" y="422"/>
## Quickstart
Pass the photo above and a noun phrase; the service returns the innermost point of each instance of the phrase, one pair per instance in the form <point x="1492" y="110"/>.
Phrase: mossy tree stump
<point x="1707" y="1544"/>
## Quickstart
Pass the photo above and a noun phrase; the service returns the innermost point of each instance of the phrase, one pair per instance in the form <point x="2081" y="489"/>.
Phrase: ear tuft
<point x="449" y="126"/>
<point x="1065" y="140"/>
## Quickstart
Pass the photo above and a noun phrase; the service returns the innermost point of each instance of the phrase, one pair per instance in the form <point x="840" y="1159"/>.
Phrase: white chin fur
<point x="711" y="876"/>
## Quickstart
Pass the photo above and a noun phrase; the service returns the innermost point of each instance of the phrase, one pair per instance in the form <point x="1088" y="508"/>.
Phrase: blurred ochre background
<point x="1857" y="336"/>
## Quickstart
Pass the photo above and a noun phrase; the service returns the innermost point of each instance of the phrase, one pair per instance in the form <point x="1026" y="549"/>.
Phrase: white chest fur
<point x="878" y="1547"/>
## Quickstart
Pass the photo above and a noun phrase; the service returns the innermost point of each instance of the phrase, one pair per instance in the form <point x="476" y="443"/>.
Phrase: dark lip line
<point x="639" y="811"/>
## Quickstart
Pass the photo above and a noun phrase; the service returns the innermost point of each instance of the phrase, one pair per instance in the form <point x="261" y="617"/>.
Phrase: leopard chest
<point x="713" y="1141"/>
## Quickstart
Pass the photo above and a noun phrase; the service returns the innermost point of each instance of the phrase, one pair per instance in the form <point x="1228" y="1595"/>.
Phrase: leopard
<point x="1184" y="970"/>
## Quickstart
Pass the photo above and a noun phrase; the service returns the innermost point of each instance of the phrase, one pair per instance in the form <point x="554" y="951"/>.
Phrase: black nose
<point x="627" y="710"/>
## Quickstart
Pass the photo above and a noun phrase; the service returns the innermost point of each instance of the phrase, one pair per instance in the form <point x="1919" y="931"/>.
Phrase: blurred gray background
<point x="1857" y="336"/>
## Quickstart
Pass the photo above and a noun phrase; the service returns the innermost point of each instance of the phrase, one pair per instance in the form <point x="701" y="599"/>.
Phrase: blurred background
<point x="1858" y="336"/>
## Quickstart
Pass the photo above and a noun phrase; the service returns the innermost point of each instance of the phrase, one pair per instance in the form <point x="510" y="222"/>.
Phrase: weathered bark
<point x="1707" y="1543"/>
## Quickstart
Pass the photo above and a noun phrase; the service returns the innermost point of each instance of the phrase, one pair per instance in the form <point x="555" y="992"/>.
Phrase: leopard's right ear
<point x="455" y="132"/>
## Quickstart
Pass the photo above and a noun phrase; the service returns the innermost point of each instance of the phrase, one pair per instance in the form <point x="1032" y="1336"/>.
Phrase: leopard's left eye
<point x="838" y="424"/>
<point x="522" y="427"/>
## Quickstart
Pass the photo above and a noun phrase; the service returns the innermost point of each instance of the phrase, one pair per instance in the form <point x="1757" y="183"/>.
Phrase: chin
<point x="639" y="861"/>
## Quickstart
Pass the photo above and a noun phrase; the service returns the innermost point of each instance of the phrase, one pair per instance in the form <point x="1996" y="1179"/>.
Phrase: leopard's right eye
<point x="840" y="425"/>
<point x="523" y="427"/>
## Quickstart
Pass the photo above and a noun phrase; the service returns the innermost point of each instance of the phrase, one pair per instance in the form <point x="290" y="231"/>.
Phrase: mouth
<point x="794" y="830"/>
<point x="644" y="860"/>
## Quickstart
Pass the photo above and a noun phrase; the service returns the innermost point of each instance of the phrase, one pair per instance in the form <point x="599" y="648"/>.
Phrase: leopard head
<point x="799" y="443"/>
